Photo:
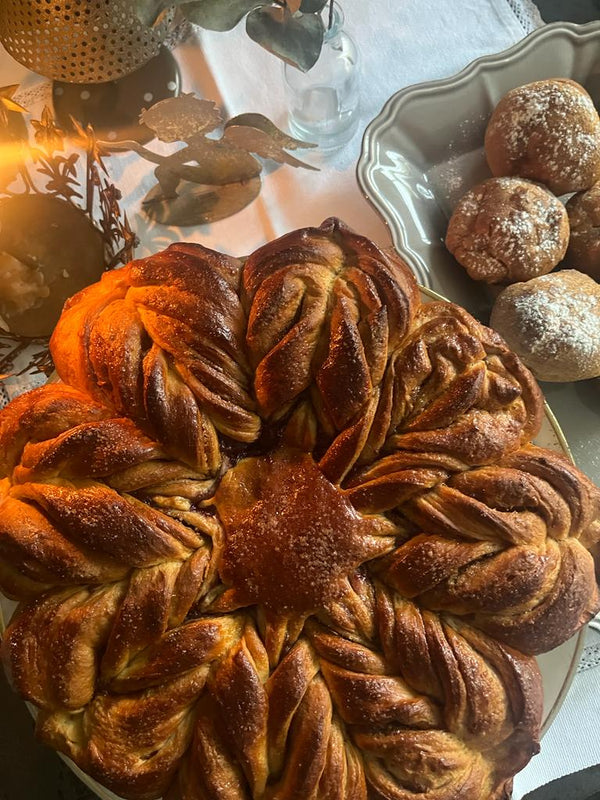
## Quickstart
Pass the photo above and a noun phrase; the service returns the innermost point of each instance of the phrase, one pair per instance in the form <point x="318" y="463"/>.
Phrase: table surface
<point x="31" y="771"/>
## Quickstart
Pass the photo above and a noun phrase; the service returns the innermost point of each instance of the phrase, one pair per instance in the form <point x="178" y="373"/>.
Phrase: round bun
<point x="508" y="229"/>
<point x="583" y="252"/>
<point x="553" y="324"/>
<point x="548" y="131"/>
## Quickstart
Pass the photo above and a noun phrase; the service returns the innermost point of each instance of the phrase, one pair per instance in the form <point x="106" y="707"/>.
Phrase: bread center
<point x="292" y="537"/>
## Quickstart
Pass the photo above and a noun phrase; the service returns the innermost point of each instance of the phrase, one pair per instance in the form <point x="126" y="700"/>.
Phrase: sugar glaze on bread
<point x="281" y="533"/>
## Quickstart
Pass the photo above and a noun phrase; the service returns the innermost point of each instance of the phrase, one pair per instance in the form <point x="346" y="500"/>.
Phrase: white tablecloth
<point x="400" y="43"/>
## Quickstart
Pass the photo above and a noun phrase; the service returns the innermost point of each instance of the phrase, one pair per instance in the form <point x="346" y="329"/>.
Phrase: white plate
<point x="557" y="667"/>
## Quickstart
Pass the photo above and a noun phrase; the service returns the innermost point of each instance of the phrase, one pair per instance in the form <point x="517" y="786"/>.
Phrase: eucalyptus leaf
<point x="256" y="141"/>
<point x="149" y="11"/>
<point x="264" y="124"/>
<point x="312" y="6"/>
<point x="295" y="39"/>
<point x="197" y="205"/>
<point x="219" y="15"/>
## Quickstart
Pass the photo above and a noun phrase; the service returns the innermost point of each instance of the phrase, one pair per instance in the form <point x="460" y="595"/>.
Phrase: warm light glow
<point x="11" y="153"/>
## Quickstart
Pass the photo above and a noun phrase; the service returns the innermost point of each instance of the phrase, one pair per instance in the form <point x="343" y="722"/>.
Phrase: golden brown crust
<point x="43" y="414"/>
<point x="508" y="229"/>
<point x="553" y="323"/>
<point x="497" y="544"/>
<point x="334" y="600"/>
<point x="583" y="253"/>
<point x="171" y="358"/>
<point x="548" y="131"/>
<point x="452" y="387"/>
<point x="325" y="308"/>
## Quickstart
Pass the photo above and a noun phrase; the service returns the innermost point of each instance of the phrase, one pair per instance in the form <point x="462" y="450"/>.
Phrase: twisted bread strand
<point x="457" y="389"/>
<point x="491" y="700"/>
<point x="63" y="523"/>
<point x="132" y="743"/>
<point x="451" y="387"/>
<point x="307" y="752"/>
<point x="325" y="307"/>
<point x="501" y="544"/>
<point x="132" y="733"/>
<point x="138" y="352"/>
<point x="42" y="415"/>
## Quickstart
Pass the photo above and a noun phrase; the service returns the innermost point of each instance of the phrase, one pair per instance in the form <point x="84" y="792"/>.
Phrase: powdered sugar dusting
<point x="533" y="105"/>
<point x="508" y="229"/>
<point x="555" y="321"/>
<point x="548" y="130"/>
<point x="451" y="178"/>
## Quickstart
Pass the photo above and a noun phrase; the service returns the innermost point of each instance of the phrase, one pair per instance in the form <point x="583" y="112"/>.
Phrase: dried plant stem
<point x="7" y="360"/>
<point x="60" y="180"/>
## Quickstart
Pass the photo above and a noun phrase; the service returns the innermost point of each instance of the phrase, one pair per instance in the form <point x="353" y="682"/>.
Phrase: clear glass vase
<point x="323" y="103"/>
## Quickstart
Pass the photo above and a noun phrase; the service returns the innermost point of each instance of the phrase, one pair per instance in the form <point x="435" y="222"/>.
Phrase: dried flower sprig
<point x="51" y="166"/>
<point x="62" y="180"/>
<point x="39" y="361"/>
<point x="118" y="235"/>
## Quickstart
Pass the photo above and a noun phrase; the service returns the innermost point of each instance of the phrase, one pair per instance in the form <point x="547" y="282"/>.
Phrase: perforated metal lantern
<point x="80" y="41"/>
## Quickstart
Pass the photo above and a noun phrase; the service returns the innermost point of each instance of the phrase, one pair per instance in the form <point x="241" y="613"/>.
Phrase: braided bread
<point x="280" y="533"/>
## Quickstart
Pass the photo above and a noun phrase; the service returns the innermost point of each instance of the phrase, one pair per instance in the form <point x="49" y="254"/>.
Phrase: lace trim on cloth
<point x="18" y="384"/>
<point x="527" y="14"/>
<point x="590" y="658"/>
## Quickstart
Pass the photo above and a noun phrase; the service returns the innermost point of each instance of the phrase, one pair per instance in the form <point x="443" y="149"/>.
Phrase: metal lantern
<point x="80" y="41"/>
<point x="104" y="44"/>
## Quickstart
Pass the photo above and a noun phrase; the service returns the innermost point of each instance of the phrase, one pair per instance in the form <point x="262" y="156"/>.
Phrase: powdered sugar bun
<point x="553" y="324"/>
<point x="584" y="244"/>
<point x="508" y="229"/>
<point x="548" y="131"/>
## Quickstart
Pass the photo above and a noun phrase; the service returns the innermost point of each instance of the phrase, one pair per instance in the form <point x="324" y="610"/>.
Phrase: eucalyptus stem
<point x="330" y="22"/>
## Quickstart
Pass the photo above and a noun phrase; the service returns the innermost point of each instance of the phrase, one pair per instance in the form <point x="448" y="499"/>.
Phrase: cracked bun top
<point x="553" y="323"/>
<point x="547" y="131"/>
<point x="508" y="229"/>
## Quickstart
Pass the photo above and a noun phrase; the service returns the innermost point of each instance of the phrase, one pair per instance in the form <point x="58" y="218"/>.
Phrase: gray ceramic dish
<point x="425" y="149"/>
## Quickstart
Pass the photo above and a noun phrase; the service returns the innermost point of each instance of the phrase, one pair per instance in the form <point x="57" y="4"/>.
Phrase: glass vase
<point x="323" y="103"/>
